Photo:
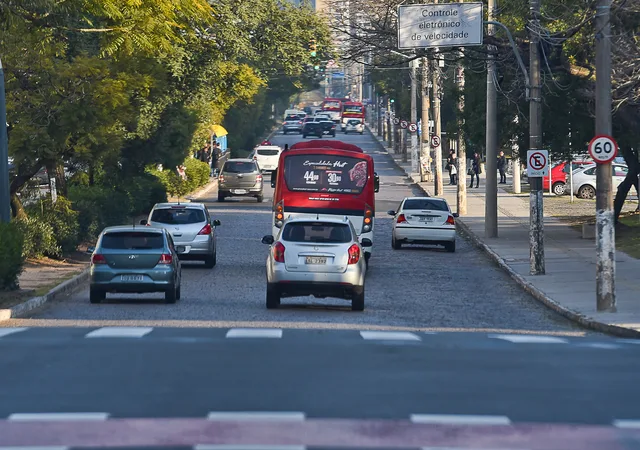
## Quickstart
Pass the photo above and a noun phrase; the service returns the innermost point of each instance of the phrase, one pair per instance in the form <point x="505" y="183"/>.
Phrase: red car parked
<point x="559" y="176"/>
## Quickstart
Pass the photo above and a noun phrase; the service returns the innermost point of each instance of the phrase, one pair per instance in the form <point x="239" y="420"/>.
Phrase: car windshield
<point x="353" y="122"/>
<point x="239" y="167"/>
<point x="267" y="152"/>
<point x="178" y="216"/>
<point x="132" y="240"/>
<point x="426" y="203"/>
<point x="292" y="118"/>
<point x="321" y="232"/>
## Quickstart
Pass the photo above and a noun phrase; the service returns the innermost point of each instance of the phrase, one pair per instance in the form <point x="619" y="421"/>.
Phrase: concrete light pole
<point x="5" y="197"/>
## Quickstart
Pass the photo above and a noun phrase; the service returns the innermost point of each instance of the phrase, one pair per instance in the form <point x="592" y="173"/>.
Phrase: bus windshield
<point x="331" y="105"/>
<point x="353" y="109"/>
<point x="325" y="173"/>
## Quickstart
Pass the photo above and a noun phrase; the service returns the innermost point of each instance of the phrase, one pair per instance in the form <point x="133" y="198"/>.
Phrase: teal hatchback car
<point x="138" y="260"/>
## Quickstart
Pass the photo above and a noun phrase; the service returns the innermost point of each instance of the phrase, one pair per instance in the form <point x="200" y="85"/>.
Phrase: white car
<point x="584" y="179"/>
<point x="354" y="126"/>
<point x="424" y="220"/>
<point x="267" y="157"/>
<point x="320" y="257"/>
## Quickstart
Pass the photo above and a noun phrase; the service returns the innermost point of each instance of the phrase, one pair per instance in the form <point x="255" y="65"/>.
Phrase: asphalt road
<point x="466" y="342"/>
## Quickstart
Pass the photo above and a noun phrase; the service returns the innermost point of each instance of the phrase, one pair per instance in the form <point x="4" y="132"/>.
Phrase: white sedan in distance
<point x="424" y="220"/>
<point x="320" y="257"/>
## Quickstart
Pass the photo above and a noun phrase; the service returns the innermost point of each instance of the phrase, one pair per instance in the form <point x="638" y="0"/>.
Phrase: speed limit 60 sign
<point x="603" y="148"/>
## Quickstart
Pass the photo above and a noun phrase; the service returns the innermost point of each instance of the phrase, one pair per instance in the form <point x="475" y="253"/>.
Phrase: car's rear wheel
<point x="210" y="261"/>
<point x="395" y="243"/>
<point x="304" y="136"/>
<point x="450" y="246"/>
<point x="587" y="192"/>
<point x="559" y="188"/>
<point x="284" y="131"/>
<point x="97" y="295"/>
<point x="220" y="197"/>
<point x="179" y="292"/>
<point x="357" y="303"/>
<point x="273" y="297"/>
<point x="260" y="198"/>
<point x="171" y="294"/>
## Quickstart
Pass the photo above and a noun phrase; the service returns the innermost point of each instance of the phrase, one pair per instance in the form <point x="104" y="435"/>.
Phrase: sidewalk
<point x="570" y="261"/>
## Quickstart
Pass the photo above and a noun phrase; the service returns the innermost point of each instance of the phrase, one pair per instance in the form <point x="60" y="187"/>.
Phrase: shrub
<point x="198" y="173"/>
<point x="197" y="176"/>
<point x="145" y="191"/>
<point x="99" y="207"/>
<point x="39" y="238"/>
<point x="11" y="255"/>
<point x="63" y="220"/>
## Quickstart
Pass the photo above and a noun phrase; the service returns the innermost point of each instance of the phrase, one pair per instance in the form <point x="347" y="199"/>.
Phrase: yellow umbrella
<point x="219" y="130"/>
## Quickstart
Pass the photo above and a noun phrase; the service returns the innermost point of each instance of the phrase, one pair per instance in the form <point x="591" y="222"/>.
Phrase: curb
<point x="574" y="316"/>
<point x="203" y="190"/>
<point x="58" y="292"/>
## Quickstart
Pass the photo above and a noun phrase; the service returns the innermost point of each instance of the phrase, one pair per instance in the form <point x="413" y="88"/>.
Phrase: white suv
<point x="267" y="157"/>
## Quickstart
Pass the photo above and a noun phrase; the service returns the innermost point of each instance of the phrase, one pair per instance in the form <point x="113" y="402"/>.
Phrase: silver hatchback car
<point x="191" y="228"/>
<point x="321" y="257"/>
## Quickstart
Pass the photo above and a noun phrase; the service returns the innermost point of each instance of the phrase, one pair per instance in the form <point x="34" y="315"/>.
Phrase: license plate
<point x="130" y="278"/>
<point x="240" y="191"/>
<point x="427" y="219"/>
<point x="315" y="260"/>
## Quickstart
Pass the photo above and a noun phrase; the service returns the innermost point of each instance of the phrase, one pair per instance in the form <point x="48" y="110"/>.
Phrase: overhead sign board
<point x="440" y="25"/>
<point x="537" y="163"/>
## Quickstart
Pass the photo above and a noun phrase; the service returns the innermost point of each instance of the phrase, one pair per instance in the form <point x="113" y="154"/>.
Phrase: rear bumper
<point x="132" y="288"/>
<point x="292" y="127"/>
<point x="424" y="235"/>
<point x="250" y="192"/>
<point x="309" y="283"/>
<point x="317" y="289"/>
<point x="109" y="280"/>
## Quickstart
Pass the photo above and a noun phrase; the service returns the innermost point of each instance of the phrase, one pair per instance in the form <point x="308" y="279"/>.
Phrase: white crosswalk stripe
<point x="529" y="339"/>
<point x="389" y="336"/>
<point x="254" y="333"/>
<point x="119" y="332"/>
<point x="7" y="331"/>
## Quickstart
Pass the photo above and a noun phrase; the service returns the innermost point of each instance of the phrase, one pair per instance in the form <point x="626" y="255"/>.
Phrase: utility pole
<point x="415" y="157"/>
<point x="605" y="226"/>
<point x="426" y="105"/>
<point x="437" y="91"/>
<point x="462" y="145"/>
<point x="536" y="207"/>
<point x="5" y="197"/>
<point x="491" y="180"/>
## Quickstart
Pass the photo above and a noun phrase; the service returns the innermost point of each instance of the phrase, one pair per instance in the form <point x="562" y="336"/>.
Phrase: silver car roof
<point x="133" y="228"/>
<point x="241" y="160"/>
<point x="169" y="205"/>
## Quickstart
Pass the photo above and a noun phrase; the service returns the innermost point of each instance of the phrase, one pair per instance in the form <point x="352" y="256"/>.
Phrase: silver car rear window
<point x="419" y="203"/>
<point x="132" y="240"/>
<point x="178" y="216"/>
<point x="266" y="152"/>
<point x="330" y="233"/>
<point x="239" y="167"/>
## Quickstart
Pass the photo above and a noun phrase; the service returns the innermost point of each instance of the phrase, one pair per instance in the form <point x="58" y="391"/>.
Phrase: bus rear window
<point x="326" y="173"/>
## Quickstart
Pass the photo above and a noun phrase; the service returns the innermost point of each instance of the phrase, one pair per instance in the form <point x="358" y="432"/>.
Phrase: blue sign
<point x="338" y="74"/>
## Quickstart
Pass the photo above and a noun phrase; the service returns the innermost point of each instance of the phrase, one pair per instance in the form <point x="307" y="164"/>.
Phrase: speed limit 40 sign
<point x="603" y="148"/>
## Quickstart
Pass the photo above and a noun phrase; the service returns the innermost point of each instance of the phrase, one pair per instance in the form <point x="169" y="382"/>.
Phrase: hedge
<point x="11" y="259"/>
<point x="197" y="172"/>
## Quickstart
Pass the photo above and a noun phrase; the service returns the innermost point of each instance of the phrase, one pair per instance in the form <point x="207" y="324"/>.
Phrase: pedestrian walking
<point x="475" y="170"/>
<point x="452" y="162"/>
<point x="502" y="167"/>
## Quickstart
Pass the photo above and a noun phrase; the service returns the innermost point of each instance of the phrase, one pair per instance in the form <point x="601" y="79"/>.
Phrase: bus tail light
<point x="367" y="222"/>
<point x="278" y="217"/>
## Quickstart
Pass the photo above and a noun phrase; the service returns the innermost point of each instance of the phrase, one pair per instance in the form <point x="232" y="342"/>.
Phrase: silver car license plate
<point x="426" y="219"/>
<point x="315" y="260"/>
<point x="240" y="191"/>
<point x="131" y="278"/>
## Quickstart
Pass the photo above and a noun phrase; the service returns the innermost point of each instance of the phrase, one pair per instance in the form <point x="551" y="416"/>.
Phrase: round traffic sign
<point x="435" y="141"/>
<point x="413" y="127"/>
<point x="396" y="121"/>
<point x="404" y="124"/>
<point x="603" y="148"/>
<point x="537" y="160"/>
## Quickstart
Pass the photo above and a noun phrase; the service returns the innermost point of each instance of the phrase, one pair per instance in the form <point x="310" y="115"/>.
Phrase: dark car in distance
<point x="312" y="129"/>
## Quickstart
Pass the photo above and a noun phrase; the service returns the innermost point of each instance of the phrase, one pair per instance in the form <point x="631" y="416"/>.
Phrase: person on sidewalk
<point x="451" y="167"/>
<point x="502" y="168"/>
<point x="474" y="170"/>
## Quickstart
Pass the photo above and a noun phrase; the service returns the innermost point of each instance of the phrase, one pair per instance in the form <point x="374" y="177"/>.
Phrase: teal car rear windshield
<point x="132" y="240"/>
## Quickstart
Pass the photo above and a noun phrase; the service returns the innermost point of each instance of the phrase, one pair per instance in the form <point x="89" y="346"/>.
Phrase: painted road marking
<point x="529" y="339"/>
<point x="248" y="447"/>
<point x="629" y="341"/>
<point x="272" y="333"/>
<point x="389" y="336"/>
<point x="459" y="419"/>
<point x="34" y="417"/>
<point x="601" y="345"/>
<point x="270" y="416"/>
<point x="50" y="447"/>
<point x="627" y="424"/>
<point x="8" y="331"/>
<point x="119" y="332"/>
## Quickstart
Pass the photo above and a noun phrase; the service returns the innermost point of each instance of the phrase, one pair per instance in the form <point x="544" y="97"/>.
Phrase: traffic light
<point x="392" y="101"/>
<point x="316" y="67"/>
<point x="313" y="47"/>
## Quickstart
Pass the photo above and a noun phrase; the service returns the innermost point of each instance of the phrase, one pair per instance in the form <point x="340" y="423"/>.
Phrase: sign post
<point x="435" y="141"/>
<point x="537" y="163"/>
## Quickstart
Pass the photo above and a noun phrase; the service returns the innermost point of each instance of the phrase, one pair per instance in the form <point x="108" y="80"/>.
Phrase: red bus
<point x="328" y="178"/>
<point x="333" y="107"/>
<point x="352" y="110"/>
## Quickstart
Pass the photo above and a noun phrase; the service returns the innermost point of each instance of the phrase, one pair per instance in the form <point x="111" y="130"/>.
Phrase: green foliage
<point x="11" y="255"/>
<point x="39" y="238"/>
<point x="62" y="219"/>
<point x="99" y="207"/>
<point x="197" y="173"/>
